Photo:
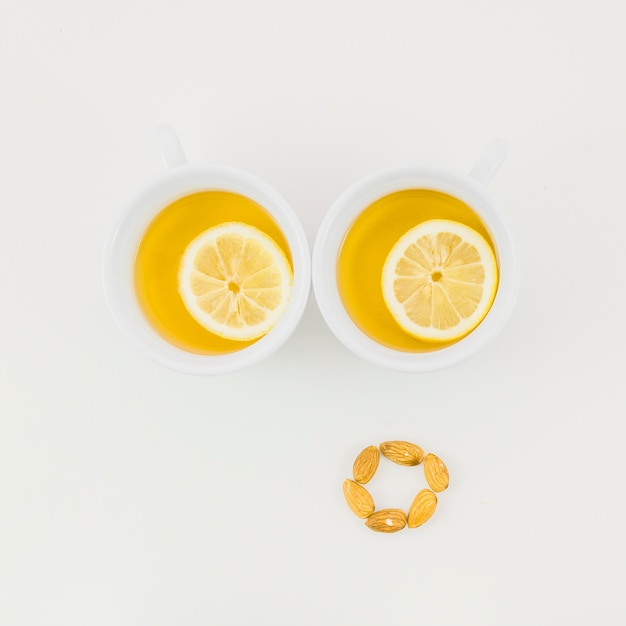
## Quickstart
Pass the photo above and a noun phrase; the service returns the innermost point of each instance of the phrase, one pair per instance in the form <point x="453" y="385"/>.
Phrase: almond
<point x="358" y="498"/>
<point x="366" y="464"/>
<point x="422" y="508"/>
<point x="436" y="473"/>
<point x="387" y="521"/>
<point x="402" y="452"/>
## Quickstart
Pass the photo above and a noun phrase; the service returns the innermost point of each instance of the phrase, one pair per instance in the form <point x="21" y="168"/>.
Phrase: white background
<point x="133" y="495"/>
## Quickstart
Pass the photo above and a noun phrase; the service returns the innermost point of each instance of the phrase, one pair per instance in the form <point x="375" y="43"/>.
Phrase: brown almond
<point x="358" y="498"/>
<point x="422" y="508"/>
<point x="402" y="452"/>
<point x="366" y="464"/>
<point x="436" y="473"/>
<point x="387" y="521"/>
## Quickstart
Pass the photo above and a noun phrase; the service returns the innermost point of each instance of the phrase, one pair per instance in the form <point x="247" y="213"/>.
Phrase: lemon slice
<point x="235" y="281"/>
<point x="439" y="280"/>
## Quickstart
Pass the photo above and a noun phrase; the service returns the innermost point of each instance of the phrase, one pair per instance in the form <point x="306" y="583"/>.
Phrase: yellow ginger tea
<point x="364" y="250"/>
<point x="158" y="261"/>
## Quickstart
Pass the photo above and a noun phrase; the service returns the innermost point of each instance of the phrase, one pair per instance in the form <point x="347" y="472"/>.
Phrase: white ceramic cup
<point x="471" y="189"/>
<point x="181" y="179"/>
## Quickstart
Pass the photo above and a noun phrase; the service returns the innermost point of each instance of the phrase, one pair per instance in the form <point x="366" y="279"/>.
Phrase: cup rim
<point x="340" y="217"/>
<point x="124" y="236"/>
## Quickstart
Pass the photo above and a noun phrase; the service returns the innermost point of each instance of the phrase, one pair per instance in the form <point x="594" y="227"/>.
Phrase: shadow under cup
<point x="177" y="206"/>
<point x="358" y="233"/>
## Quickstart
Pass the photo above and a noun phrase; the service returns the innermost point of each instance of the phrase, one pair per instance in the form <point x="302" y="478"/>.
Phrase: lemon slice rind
<point x="440" y="280"/>
<point x="235" y="281"/>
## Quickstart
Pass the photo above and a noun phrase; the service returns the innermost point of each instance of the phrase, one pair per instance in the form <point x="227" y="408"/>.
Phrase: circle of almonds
<point x="392" y="520"/>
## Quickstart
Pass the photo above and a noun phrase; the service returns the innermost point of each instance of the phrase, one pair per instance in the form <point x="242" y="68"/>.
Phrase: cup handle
<point x="169" y="146"/>
<point x="489" y="161"/>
